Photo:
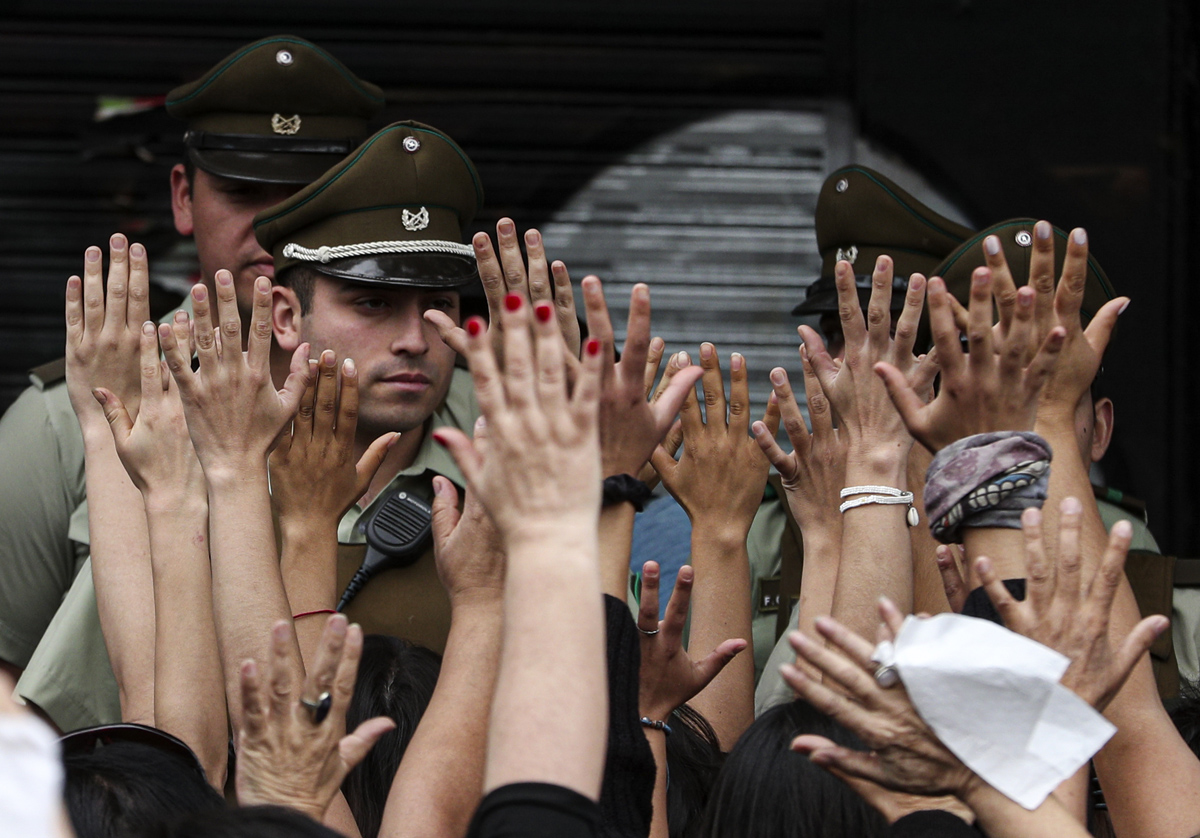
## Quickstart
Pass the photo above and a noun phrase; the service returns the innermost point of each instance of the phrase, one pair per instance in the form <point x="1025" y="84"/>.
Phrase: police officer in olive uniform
<point x="264" y="121"/>
<point x="861" y="215"/>
<point x="361" y="254"/>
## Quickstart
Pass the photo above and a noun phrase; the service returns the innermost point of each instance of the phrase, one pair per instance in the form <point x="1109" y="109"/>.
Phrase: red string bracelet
<point x="310" y="613"/>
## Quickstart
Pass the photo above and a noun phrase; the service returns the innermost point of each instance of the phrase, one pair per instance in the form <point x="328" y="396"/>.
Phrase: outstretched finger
<point x="1015" y="349"/>
<point x="1099" y="330"/>
<point x="905" y="398"/>
<point x="1007" y="607"/>
<point x="325" y="405"/>
<point x="203" y="329"/>
<point x="74" y="311"/>
<point x="833" y="704"/>
<point x="93" y="291"/>
<point x="347" y="416"/>
<point x="1139" y="641"/>
<point x="1041" y="574"/>
<point x="879" y="307"/>
<point x="485" y="372"/>
<point x="654" y="354"/>
<point x="793" y="419"/>
<point x="1102" y="588"/>
<point x="118" y="418"/>
<point x="331" y="648"/>
<point x="820" y="413"/>
<point x="564" y="307"/>
<point x="647" y="619"/>
<point x="450" y="332"/>
<point x="710" y="666"/>
<point x="599" y="322"/>
<point x="254" y="703"/>
<point x="284" y="696"/>
<point x="979" y="324"/>
<point x="354" y="747"/>
<point x="512" y="264"/>
<point x="910" y="317"/>
<point x="551" y="367"/>
<point x="1068" y="297"/>
<point x="138" y="309"/>
<point x="231" y="320"/>
<point x="838" y="759"/>
<point x="943" y="327"/>
<point x="347" y="666"/>
<point x="446" y="514"/>
<point x="637" y="336"/>
<point x="296" y="382"/>
<point x="823" y="365"/>
<point x="739" y="396"/>
<point x="849" y="307"/>
<point x="1041" y="276"/>
<point x="372" y="459"/>
<point x="178" y="363"/>
<point x="1004" y="289"/>
<point x="117" y="299"/>
<point x="836" y="666"/>
<point x="952" y="580"/>
<point x="462" y="450"/>
<point x="858" y="650"/>
<point x="539" y="271"/>
<point x="1069" y="559"/>
<point x="258" y="342"/>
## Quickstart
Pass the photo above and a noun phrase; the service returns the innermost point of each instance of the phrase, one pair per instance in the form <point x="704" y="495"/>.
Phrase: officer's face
<point x="218" y="213"/>
<point x="404" y="368"/>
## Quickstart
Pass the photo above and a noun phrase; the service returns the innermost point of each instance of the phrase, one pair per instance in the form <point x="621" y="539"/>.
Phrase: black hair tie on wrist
<point x="624" y="488"/>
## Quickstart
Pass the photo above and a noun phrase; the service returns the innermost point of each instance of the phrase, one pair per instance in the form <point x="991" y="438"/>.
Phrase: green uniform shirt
<point x="69" y="675"/>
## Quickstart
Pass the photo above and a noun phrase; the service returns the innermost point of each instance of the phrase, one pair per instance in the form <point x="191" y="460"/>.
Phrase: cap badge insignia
<point x="281" y="124"/>
<point x="1024" y="239"/>
<point x="414" y="221"/>
<point x="411" y="144"/>
<point x="847" y="255"/>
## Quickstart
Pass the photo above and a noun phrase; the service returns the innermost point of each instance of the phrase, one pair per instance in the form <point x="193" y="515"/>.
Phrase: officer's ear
<point x="1102" y="428"/>
<point x="181" y="200"/>
<point x="286" y="316"/>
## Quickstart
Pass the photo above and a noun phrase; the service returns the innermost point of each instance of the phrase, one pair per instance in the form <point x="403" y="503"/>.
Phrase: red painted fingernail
<point x="512" y="302"/>
<point x="543" y="312"/>
<point x="474" y="326"/>
<point x="593" y="346"/>
<point x="439" y="438"/>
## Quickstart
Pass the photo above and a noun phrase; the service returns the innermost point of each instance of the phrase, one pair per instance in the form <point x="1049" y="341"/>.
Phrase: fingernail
<point x="99" y="396"/>
<point x="1124" y="306"/>
<point x="533" y="238"/>
<point x="757" y="428"/>
<point x="1042" y="230"/>
<point x="480" y="241"/>
<point x="395" y="438"/>
<point x="474" y="326"/>
<point x="439" y="438"/>
<point x="992" y="245"/>
<point x="148" y="328"/>
<point x="92" y="254"/>
<point x="224" y="278"/>
<point x="505" y="226"/>
<point x="1123" y="529"/>
<point x="199" y="293"/>
<point x="735" y="362"/>
<point x="1025" y="296"/>
<point x="512" y="302"/>
<point x="480" y="424"/>
<point x="348" y="367"/>
<point x="137" y="251"/>
<point x="1071" y="505"/>
<point x="117" y="242"/>
<point x="980" y="277"/>
<point x="983" y="564"/>
<point x="593" y="346"/>
<point x="1079" y="235"/>
<point x="706" y="351"/>
<point x="685" y="360"/>
<point x="181" y="317"/>
<point x="778" y="376"/>
<point x="543" y="311"/>
<point x="657" y="344"/>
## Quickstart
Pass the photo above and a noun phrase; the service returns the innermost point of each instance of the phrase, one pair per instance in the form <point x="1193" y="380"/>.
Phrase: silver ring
<point x="319" y="708"/>
<point x="886" y="676"/>
<point x="647" y="633"/>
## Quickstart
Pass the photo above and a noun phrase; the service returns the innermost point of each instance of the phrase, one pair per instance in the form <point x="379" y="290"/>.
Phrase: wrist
<point x="298" y="528"/>
<point x="226" y="477"/>
<point x="877" y="464"/>
<point x="725" y="536"/>
<point x="185" y="502"/>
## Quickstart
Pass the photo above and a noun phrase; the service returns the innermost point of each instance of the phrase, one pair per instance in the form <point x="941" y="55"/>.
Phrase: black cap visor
<point x="822" y="295"/>
<point x="299" y="168"/>
<point x="409" y="270"/>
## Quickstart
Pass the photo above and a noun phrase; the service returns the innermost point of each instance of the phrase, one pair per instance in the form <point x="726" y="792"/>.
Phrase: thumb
<point x="297" y="380"/>
<point x="907" y="402"/>
<point x="1100" y="329"/>
<point x="372" y="459"/>
<point x="354" y="747"/>
<point x="712" y="664"/>
<point x="445" y="510"/>
<point x="114" y="411"/>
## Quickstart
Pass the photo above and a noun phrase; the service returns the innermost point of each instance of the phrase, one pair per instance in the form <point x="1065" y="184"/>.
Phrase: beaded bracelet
<point x="656" y="724"/>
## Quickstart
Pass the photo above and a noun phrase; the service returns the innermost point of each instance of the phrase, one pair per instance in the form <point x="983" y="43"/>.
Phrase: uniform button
<point x="411" y="144"/>
<point x="284" y="57"/>
<point x="842" y="185"/>
<point x="1024" y="239"/>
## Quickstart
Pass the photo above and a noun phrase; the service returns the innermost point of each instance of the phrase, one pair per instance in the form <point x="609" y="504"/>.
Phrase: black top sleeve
<point x="979" y="604"/>
<point x="535" y="810"/>
<point x="932" y="823"/>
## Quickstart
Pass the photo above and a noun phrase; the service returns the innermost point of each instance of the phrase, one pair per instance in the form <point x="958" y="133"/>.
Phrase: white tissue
<point x="993" y="697"/>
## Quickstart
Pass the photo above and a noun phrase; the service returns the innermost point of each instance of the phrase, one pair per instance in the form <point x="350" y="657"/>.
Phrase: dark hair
<point x="250" y="822"/>
<point x="303" y="281"/>
<point x="694" y="759"/>
<point x="765" y="790"/>
<point x="395" y="679"/>
<point x="1185" y="713"/>
<point x="132" y="789"/>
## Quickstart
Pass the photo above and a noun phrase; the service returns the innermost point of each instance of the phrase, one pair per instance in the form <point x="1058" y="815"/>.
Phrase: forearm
<point x="616" y="539"/>
<point x="440" y="780"/>
<point x="189" y="695"/>
<point x="721" y="609"/>
<point x="876" y="555"/>
<point x="120" y="545"/>
<point x="308" y="566"/>
<point x="550" y="712"/>
<point x="659" y="825"/>
<point x="929" y="594"/>
<point x="248" y="595"/>
<point x="818" y="577"/>
<point x="999" y="817"/>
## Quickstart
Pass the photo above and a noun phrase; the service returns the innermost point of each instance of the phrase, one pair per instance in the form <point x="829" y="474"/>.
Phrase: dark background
<point x="1083" y="113"/>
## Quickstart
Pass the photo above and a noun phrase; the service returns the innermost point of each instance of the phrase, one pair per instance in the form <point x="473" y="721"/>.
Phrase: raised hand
<point x="234" y="413"/>
<point x="814" y="472"/>
<point x="631" y="427"/>
<point x="290" y="754"/>
<point x="866" y="415"/>
<point x="995" y="386"/>
<point x="669" y="677"/>
<point x="720" y="476"/>
<point x="469" y="554"/>
<point x="314" y="474"/>
<point x="674" y="437"/>
<point x="104" y="328"/>
<point x="155" y="447"/>
<point x="1070" y="609"/>
<point x="506" y="275"/>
